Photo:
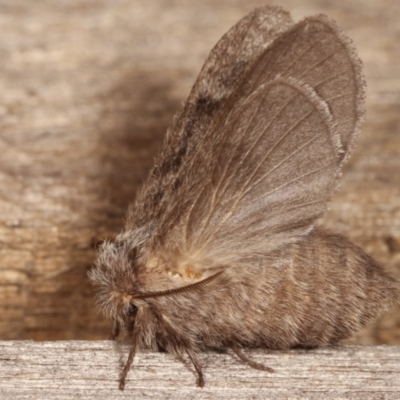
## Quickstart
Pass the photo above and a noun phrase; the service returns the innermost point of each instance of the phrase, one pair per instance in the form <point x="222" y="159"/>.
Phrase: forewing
<point x="263" y="168"/>
<point x="236" y="50"/>
<point x="260" y="181"/>
<point x="316" y="52"/>
<point x="221" y="74"/>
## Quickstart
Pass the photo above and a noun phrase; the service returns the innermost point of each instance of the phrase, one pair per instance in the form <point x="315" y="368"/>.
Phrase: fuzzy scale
<point x="220" y="250"/>
<point x="315" y="292"/>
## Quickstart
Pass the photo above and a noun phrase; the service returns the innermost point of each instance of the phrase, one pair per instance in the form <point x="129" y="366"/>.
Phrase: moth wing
<point x="316" y="52"/>
<point x="268" y="163"/>
<point x="260" y="182"/>
<point x="235" y="51"/>
<point x="222" y="72"/>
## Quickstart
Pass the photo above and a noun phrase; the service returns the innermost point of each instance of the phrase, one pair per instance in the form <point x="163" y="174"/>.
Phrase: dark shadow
<point x="134" y="119"/>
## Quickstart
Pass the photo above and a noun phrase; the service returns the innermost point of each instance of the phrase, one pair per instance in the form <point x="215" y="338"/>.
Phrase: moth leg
<point x="115" y="330"/>
<point x="197" y="366"/>
<point x="127" y="366"/>
<point x="248" y="361"/>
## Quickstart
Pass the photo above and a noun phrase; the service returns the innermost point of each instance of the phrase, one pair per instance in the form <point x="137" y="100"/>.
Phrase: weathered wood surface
<point x="88" y="89"/>
<point x="87" y="370"/>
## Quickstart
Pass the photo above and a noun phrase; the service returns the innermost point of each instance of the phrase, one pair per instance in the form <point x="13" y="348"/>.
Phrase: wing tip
<point x="359" y="78"/>
<point x="269" y="10"/>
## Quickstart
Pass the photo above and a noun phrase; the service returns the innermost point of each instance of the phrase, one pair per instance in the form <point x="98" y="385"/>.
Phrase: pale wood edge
<point x="89" y="369"/>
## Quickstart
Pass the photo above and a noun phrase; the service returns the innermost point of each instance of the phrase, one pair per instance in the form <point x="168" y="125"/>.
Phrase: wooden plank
<point x="89" y="369"/>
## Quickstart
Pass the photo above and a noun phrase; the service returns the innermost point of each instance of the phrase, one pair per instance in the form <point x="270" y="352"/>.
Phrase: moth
<point x="220" y="250"/>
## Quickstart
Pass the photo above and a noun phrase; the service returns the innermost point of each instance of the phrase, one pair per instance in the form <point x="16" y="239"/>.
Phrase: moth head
<point x="115" y="276"/>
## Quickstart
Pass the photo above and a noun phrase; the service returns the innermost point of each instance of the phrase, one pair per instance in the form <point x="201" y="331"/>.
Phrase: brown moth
<point x="220" y="249"/>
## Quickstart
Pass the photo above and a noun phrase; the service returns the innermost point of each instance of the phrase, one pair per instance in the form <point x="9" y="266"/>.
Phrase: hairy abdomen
<point x="314" y="292"/>
<point x="328" y="290"/>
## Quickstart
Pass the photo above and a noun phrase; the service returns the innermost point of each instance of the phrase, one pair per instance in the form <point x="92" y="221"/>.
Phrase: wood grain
<point x="82" y="369"/>
<point x="88" y="89"/>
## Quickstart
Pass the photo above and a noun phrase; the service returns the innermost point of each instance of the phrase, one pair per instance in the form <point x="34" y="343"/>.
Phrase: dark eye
<point x="132" y="310"/>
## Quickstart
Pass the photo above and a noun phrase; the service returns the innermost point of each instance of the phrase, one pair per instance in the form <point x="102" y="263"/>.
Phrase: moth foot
<point x="249" y="362"/>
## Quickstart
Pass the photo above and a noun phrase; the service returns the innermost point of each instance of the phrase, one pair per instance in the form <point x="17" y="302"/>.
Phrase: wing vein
<point x="340" y="95"/>
<point x="192" y="208"/>
<point x="306" y="204"/>
<point x="258" y="139"/>
<point x="236" y="201"/>
<point x="278" y="165"/>
<point x="299" y="57"/>
<point x="329" y="78"/>
<point x="324" y="59"/>
<point x="286" y="210"/>
<point x="271" y="66"/>
<point x="237" y="146"/>
<point x="294" y="180"/>
<point x="265" y="194"/>
<point x="275" y="145"/>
